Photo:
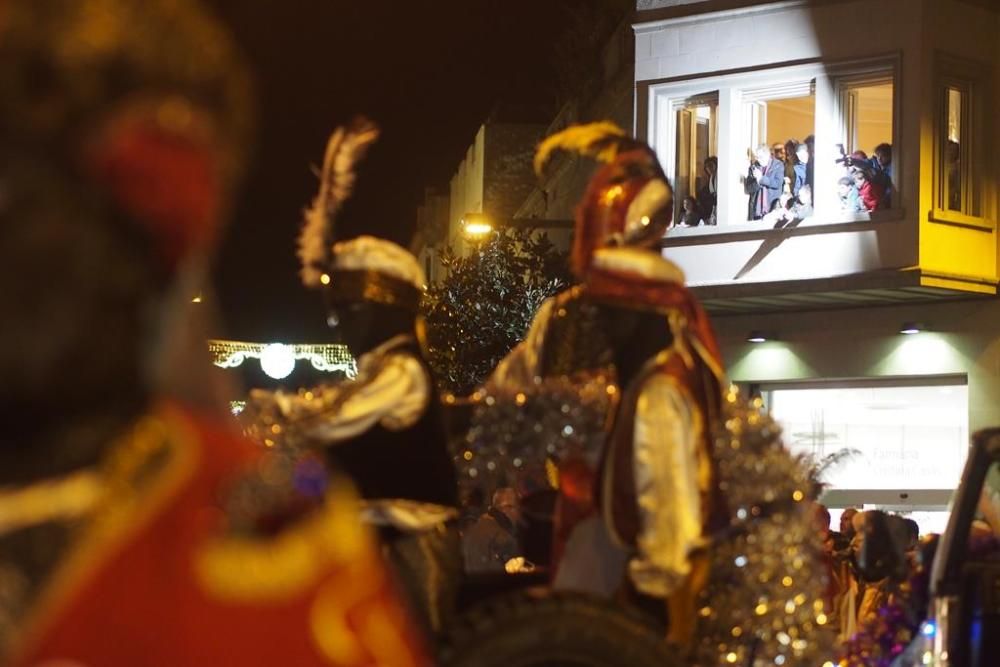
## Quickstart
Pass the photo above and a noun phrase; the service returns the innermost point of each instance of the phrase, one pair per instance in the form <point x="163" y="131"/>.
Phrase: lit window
<point x="777" y="121"/>
<point x="696" y="164"/>
<point x="957" y="177"/>
<point x="952" y="182"/>
<point x="754" y="148"/>
<point x="959" y="135"/>
<point x="875" y="445"/>
<point x="864" y="177"/>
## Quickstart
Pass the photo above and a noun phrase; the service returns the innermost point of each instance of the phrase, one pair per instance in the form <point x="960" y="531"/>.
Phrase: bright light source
<point x="476" y="224"/>
<point x="910" y="328"/>
<point x="277" y="360"/>
<point x="760" y="337"/>
<point x="196" y="299"/>
<point x="478" y="229"/>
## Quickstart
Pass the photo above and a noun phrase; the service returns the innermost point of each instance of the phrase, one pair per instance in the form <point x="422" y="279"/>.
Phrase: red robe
<point x="156" y="581"/>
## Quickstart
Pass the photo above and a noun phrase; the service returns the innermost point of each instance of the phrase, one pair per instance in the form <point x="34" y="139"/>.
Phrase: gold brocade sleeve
<point x="668" y="472"/>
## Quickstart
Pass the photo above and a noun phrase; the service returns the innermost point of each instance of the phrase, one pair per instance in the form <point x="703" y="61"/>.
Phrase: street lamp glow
<point x="277" y="360"/>
<point x="476" y="224"/>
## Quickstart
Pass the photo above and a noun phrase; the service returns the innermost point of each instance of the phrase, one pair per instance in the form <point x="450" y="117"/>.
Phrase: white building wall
<point x="703" y="52"/>
<point x="963" y="338"/>
<point x="466" y="192"/>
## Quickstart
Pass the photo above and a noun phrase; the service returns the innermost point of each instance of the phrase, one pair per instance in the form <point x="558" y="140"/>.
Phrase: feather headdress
<point x="347" y="145"/>
<point x="601" y="141"/>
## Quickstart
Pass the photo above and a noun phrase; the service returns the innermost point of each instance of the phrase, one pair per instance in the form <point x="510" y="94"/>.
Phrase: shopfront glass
<point x="893" y="447"/>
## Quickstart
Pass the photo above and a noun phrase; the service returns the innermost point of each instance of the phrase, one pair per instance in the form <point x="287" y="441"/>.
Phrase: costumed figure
<point x="690" y="478"/>
<point x="566" y="351"/>
<point x="137" y="527"/>
<point x="385" y="426"/>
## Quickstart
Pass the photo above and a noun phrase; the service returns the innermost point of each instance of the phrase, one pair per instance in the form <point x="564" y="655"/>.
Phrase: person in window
<point x="850" y="200"/>
<point x="953" y="156"/>
<point x="791" y="160"/>
<point x="778" y="151"/>
<point x="791" y="209"/>
<point x="802" y="171"/>
<point x="869" y="191"/>
<point x="708" y="194"/>
<point x="803" y="206"/>
<point x="810" y="143"/>
<point x="881" y="172"/>
<point x="763" y="182"/>
<point x="690" y="216"/>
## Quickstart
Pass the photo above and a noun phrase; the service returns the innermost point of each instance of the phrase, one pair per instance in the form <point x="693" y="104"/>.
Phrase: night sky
<point x="427" y="72"/>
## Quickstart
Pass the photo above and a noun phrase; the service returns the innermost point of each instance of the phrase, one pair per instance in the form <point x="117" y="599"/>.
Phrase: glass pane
<point x="906" y="438"/>
<point x="695" y="186"/>
<point x="778" y="181"/>
<point x="953" y="152"/>
<point x="864" y="173"/>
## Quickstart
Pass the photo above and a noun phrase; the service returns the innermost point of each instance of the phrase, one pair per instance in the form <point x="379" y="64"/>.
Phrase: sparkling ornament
<point x="513" y="431"/>
<point x="767" y="581"/>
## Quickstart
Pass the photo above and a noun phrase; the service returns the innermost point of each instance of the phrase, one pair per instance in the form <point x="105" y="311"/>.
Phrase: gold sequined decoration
<point x="515" y="430"/>
<point x="764" y="604"/>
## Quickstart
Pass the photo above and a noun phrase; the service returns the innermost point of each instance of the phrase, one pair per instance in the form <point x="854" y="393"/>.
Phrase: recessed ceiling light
<point x="910" y="328"/>
<point x="760" y="336"/>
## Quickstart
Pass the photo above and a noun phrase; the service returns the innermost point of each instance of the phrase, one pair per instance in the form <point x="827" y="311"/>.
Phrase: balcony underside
<point x="873" y="289"/>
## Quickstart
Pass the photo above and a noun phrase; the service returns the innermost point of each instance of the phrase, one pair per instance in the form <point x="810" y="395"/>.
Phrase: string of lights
<point x="277" y="360"/>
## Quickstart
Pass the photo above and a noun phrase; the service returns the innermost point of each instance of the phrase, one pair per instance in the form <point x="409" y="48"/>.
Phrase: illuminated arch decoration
<point x="277" y="360"/>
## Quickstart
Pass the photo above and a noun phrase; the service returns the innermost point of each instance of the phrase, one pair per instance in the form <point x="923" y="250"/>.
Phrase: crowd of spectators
<point x="780" y="181"/>
<point x="779" y="184"/>
<point x="865" y="183"/>
<point x="857" y="593"/>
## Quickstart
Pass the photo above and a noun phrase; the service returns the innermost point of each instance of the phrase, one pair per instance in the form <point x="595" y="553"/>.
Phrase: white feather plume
<point x="344" y="149"/>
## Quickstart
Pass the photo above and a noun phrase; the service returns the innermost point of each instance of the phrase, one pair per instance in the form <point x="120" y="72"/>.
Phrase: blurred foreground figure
<point x="383" y="427"/>
<point x="136" y="529"/>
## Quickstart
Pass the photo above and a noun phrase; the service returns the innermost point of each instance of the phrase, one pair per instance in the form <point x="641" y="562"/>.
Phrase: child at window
<point x="690" y="216"/>
<point x="850" y="200"/>
<point x="869" y="191"/>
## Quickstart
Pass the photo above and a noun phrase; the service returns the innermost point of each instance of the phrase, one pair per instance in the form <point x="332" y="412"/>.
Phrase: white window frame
<point x="972" y="80"/>
<point x="772" y="82"/>
<point x="677" y="104"/>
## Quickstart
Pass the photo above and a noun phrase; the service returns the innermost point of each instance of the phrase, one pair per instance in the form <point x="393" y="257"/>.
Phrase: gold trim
<point x="67" y="498"/>
<point x="121" y="513"/>
<point x="240" y="569"/>
<point x="366" y="285"/>
<point x="351" y="619"/>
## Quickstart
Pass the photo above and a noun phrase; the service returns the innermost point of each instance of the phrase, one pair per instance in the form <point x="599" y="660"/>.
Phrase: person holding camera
<point x="763" y="182"/>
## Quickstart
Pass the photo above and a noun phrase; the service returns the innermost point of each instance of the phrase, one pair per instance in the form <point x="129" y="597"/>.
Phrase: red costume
<point x="124" y="540"/>
<point x="155" y="579"/>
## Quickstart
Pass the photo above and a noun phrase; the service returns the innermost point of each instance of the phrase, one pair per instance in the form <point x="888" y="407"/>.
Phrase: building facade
<point x="826" y="293"/>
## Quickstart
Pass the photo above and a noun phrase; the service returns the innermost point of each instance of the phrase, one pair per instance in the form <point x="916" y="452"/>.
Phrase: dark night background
<point x="428" y="73"/>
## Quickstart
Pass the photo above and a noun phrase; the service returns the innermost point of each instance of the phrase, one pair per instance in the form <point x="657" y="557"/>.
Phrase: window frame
<point x="678" y="104"/>
<point x="661" y="100"/>
<point x="971" y="79"/>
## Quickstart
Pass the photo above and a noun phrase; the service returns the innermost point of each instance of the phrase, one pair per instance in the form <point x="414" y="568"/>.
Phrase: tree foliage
<point x="483" y="308"/>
